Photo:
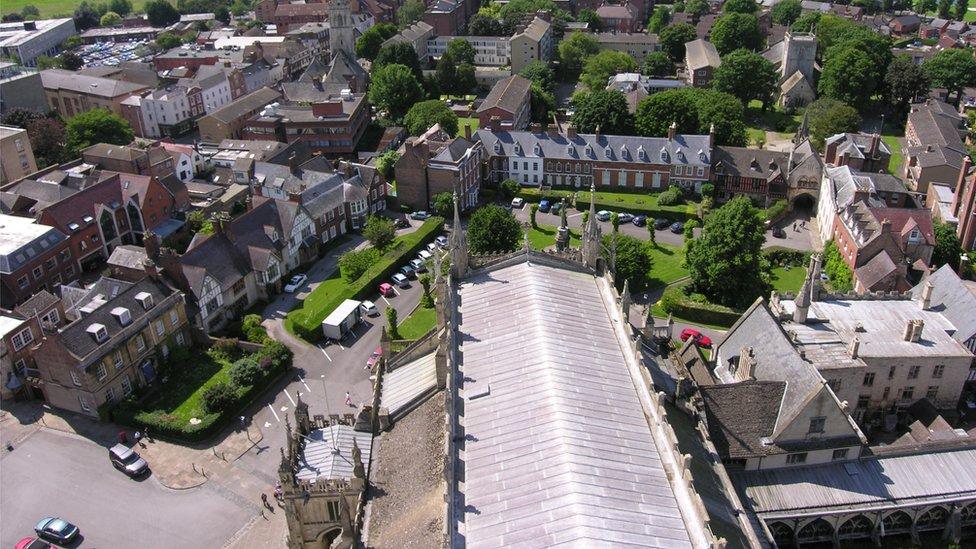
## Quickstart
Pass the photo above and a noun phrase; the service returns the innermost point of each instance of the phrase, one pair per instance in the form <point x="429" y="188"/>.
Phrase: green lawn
<point x="50" y="8"/>
<point x="462" y="122"/>
<point x="420" y="321"/>
<point x="182" y="396"/>
<point x="894" y="165"/>
<point x="667" y="264"/>
<point x="545" y="236"/>
<point x="773" y="120"/>
<point x="788" y="279"/>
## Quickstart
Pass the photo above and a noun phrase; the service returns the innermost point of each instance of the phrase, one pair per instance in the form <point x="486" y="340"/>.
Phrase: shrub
<point x="278" y="353"/>
<point x="510" y="188"/>
<point x="696" y="308"/>
<point x="354" y="263"/>
<point x="223" y="349"/>
<point x="786" y="256"/>
<point x="245" y="372"/>
<point x="777" y="210"/>
<point x="841" y="277"/>
<point x="533" y="210"/>
<point x="670" y="197"/>
<point x="707" y="190"/>
<point x="219" y="397"/>
<point x="253" y="330"/>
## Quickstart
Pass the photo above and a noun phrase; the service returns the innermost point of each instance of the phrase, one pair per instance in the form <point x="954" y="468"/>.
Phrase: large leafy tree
<point x="603" y="109"/>
<point x="379" y="231"/>
<point x="395" y="89"/>
<point x="726" y="263"/>
<point x="657" y="64"/>
<point x="86" y="16"/>
<point x="368" y="45"/>
<point x="659" y="19"/>
<point x="697" y="8"/>
<point x="806" y="22"/>
<point x="748" y="76"/>
<point x="493" y="229"/>
<point x="574" y="49"/>
<point x="541" y="103"/>
<point x="828" y="117"/>
<point x="952" y="69"/>
<point x="461" y="51"/>
<point x="598" y="68"/>
<point x="740" y="6"/>
<point x="410" y="12"/>
<point x="786" y="12"/>
<point x="121" y="7"/>
<point x="425" y="114"/>
<point x="848" y="76"/>
<point x="484" y="25"/>
<point x="673" y="39"/>
<point x="904" y="82"/>
<point x="962" y="7"/>
<point x="97" y="126"/>
<point x="694" y="111"/>
<point x="48" y="141"/>
<point x="539" y="73"/>
<point x="947" y="246"/>
<point x="161" y="13"/>
<point x="631" y="260"/>
<point x="110" y="19"/>
<point x="71" y="61"/>
<point x="399" y="53"/>
<point x="735" y="31"/>
<point x="589" y="16"/>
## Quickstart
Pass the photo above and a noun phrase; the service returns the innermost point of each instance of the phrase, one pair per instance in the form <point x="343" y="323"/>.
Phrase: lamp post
<point x="246" y="430"/>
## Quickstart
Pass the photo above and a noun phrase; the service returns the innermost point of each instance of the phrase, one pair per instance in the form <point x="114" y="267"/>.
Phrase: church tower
<point x="341" y="29"/>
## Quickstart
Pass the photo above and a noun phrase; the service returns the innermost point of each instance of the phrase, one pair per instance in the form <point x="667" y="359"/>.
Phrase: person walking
<point x="348" y="399"/>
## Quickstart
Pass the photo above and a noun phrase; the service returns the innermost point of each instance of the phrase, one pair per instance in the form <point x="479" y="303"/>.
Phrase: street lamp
<point x="246" y="431"/>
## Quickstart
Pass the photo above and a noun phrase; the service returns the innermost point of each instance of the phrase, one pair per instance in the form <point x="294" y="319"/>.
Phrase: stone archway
<point x="899" y="521"/>
<point x="329" y="536"/>
<point x="968" y="514"/>
<point x="816" y="530"/>
<point x="804" y="203"/>
<point x="782" y="533"/>
<point x="932" y="519"/>
<point x="858" y="526"/>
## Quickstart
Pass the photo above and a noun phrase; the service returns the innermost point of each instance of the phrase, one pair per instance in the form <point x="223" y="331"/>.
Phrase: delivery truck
<point x="343" y="319"/>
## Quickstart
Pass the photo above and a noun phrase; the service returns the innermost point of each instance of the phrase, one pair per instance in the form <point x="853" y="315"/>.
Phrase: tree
<point x="847" y="77"/>
<point x="391" y="322"/>
<point x="395" y="89"/>
<point x="694" y="111"/>
<point x="602" y="109"/>
<point x="944" y="9"/>
<point x="657" y="64"/>
<point x="840" y="275"/>
<point x="465" y="79"/>
<point x="425" y="114"/>
<point x="651" y="233"/>
<point x="97" y="126"/>
<point x="110" y="19"/>
<point x="461" y="51"/>
<point x="44" y="63"/>
<point x="659" y="19"/>
<point x="673" y="39"/>
<point x="740" y="6"/>
<point x="962" y="7"/>
<point x="615" y="221"/>
<point x="534" y="210"/>
<point x="924" y="6"/>
<point x="245" y="372"/>
<point x="723" y="112"/>
<point x="827" y="117"/>
<point x="483" y="25"/>
<point x="12" y="18"/>
<point x="48" y="140"/>
<point x="30" y="11"/>
<point x="70" y="61"/>
<point x="168" y="40"/>
<point x="222" y="14"/>
<point x="354" y="263"/>
<point x="386" y="162"/>
<point x="400" y="53"/>
<point x="589" y="16"/>
<point x="121" y="7"/>
<point x="733" y="31"/>
<point x="726" y="263"/>
<point x="947" y="246"/>
<point x="541" y="103"/>
<point x="631" y="260"/>
<point x="368" y="45"/>
<point x="443" y="205"/>
<point x="574" y="50"/>
<point x="598" y="68"/>
<point x="904" y="82"/>
<point x="786" y="12"/>
<point x="806" y="22"/>
<point x="379" y="231"/>
<point x="86" y="16"/>
<point x="509" y="189"/>
<point x="161" y="13"/>
<point x="539" y="73"/>
<point x="219" y="397"/>
<point x="493" y="229"/>
<point x="747" y="76"/>
<point x="239" y="8"/>
<point x="426" y="300"/>
<point x="697" y="8"/>
<point x="410" y="12"/>
<point x="952" y="69"/>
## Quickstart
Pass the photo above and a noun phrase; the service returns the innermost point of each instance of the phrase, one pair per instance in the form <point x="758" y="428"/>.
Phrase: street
<point x="61" y="475"/>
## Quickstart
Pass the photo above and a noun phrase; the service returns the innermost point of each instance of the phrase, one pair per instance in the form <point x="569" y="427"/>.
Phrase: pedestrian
<point x="264" y="500"/>
<point x="794" y="226"/>
<point x="146" y="434"/>
<point x="123" y="438"/>
<point x="348" y="399"/>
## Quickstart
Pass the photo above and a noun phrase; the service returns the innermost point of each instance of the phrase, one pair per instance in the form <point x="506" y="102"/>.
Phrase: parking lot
<point x="61" y="475"/>
<point x="110" y="54"/>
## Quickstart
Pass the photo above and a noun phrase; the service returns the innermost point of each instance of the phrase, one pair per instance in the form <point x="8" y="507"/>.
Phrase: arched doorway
<point x="804" y="203"/>
<point x="782" y="534"/>
<point x="856" y="527"/>
<point x="933" y="519"/>
<point x="899" y="521"/>
<point x="328" y="537"/>
<point x="817" y="530"/>
<point x="968" y="514"/>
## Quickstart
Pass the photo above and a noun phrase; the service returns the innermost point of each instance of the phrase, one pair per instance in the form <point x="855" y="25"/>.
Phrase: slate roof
<point x="508" y="94"/>
<point x="936" y="123"/>
<point x="536" y="29"/>
<point x="744" y="162"/>
<point x="955" y="299"/>
<point x="216" y="256"/>
<point x="856" y="144"/>
<point x="875" y="270"/>
<point x="128" y="256"/>
<point x="58" y="79"/>
<point x="700" y="54"/>
<point x="41" y="301"/>
<point x="740" y="415"/>
<point x="243" y="105"/>
<point x="318" y="461"/>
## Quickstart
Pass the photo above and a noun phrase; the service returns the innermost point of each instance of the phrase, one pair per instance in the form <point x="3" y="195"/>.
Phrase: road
<point x="55" y="474"/>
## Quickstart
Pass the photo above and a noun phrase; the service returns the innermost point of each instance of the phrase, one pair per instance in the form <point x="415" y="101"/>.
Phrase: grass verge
<point x="420" y="321"/>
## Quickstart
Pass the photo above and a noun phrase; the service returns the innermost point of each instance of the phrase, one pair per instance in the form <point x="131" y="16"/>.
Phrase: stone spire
<point x="802" y="301"/>
<point x="459" y="244"/>
<point x="591" y="233"/>
<point x="625" y="300"/>
<point x="562" y="233"/>
<point x="437" y="267"/>
<point x="358" y="469"/>
<point x="302" y="418"/>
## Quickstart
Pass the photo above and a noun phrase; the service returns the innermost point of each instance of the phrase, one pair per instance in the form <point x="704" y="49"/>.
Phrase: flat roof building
<point x="27" y="40"/>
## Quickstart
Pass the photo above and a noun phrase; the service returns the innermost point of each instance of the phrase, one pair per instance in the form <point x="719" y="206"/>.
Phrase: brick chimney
<point x="467" y="132"/>
<point x="571" y="132"/>
<point x="711" y="136"/>
<point x="150" y="267"/>
<point x="672" y="131"/>
<point x="875" y="145"/>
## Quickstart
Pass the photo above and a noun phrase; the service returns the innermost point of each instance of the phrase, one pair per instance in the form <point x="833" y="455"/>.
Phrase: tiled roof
<point x="58" y="79"/>
<point x="508" y="94"/>
<point x="740" y="415"/>
<point x="683" y="150"/>
<point x="700" y="54"/>
<point x="243" y="105"/>
<point x="954" y="299"/>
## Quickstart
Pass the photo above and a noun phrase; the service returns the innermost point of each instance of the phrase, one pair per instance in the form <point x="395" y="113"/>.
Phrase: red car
<point x="373" y="358"/>
<point x="699" y="338"/>
<point x="32" y="543"/>
<point x="386" y="290"/>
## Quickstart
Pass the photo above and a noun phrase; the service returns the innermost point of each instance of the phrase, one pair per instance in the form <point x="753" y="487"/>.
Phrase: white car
<point x="369" y="308"/>
<point x="401" y="280"/>
<point x="424" y="255"/>
<point x="431" y="247"/>
<point x="517" y="203"/>
<point x="441" y="241"/>
<point x="295" y="283"/>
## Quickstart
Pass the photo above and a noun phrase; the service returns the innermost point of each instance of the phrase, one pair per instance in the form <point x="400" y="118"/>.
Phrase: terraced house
<point x="118" y="335"/>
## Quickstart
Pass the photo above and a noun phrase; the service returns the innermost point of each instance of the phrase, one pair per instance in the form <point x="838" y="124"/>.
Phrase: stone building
<point x="795" y="58"/>
<point x="437" y="163"/>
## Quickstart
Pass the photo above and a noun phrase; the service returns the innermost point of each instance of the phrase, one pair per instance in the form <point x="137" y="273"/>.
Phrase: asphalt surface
<point x="60" y="475"/>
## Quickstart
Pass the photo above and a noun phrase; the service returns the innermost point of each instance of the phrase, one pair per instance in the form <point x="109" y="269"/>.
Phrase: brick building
<point x="70" y="93"/>
<point x="228" y="122"/>
<point x="437" y="163"/>
<point x="862" y="152"/>
<point x="33" y="257"/>
<point x="508" y="102"/>
<point x="332" y="124"/>
<point x="701" y="60"/>
<point x="20" y="332"/>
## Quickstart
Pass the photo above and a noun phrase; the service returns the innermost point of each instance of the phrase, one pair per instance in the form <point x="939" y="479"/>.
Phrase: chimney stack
<point x="917" y="330"/>
<point x="151" y="243"/>
<point x="909" y="329"/>
<point x="885" y="226"/>
<point x="854" y="347"/>
<point x="927" y="295"/>
<point x="467" y="132"/>
<point x="711" y="136"/>
<point x="672" y="130"/>
<point x="293" y="164"/>
<point x="150" y="267"/>
<point x="875" y="145"/>
<point x="571" y="132"/>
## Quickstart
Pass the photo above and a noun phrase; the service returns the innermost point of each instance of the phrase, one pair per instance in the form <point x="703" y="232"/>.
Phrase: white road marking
<point x="287" y="394"/>
<point x="385" y="300"/>
<point x="326" y="354"/>
<point x="575" y="214"/>
<point x="305" y="384"/>
<point x="284" y="409"/>
<point x="396" y="292"/>
<point x="275" y="414"/>
<point x="340" y="344"/>
<point x="267" y="424"/>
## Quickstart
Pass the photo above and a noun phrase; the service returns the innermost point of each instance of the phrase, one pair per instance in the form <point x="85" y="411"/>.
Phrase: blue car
<point x="544" y="206"/>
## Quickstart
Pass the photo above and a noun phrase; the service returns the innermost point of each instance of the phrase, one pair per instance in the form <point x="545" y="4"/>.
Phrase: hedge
<point x="306" y="322"/>
<point x="777" y="211"/>
<point x="778" y="255"/>
<point x="681" y="212"/>
<point x="675" y="301"/>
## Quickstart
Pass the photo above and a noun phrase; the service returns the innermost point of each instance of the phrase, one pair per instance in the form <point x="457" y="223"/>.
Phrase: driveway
<point x="55" y="474"/>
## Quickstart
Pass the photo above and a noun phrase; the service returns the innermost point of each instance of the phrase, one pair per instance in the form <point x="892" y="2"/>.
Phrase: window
<point x="333" y="511"/>
<point x="834" y="384"/>
<point x="117" y="360"/>
<point x="885" y="393"/>
<point x="23" y="282"/>
<point x="839" y="454"/>
<point x="817" y="424"/>
<point x="100" y="371"/>
<point x="793" y="459"/>
<point x="179" y="338"/>
<point x="913" y="372"/>
<point x="37" y="272"/>
<point x="160" y="328"/>
<point x="51" y="317"/>
<point x="126" y="385"/>
<point x="75" y="378"/>
<point x="622" y="178"/>
<point x="891" y="372"/>
<point x="83" y="403"/>
<point x="869" y="379"/>
<point x="21" y="367"/>
<point x="907" y="393"/>
<point x="110" y="395"/>
<point x="606" y="177"/>
<point x="140" y="343"/>
<point x="22" y="338"/>
<point x="174" y="317"/>
<point x="863" y="401"/>
<point x="938" y="371"/>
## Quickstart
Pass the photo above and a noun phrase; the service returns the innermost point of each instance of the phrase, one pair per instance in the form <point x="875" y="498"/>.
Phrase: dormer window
<point x="145" y="299"/>
<point x="589" y="150"/>
<point x="754" y="164"/>
<point x="681" y="156"/>
<point x="122" y="315"/>
<point x="772" y="165"/>
<point x="608" y="151"/>
<point x="518" y="148"/>
<point x="624" y="153"/>
<point x="498" y="147"/>
<point x="702" y="156"/>
<point x="98" y="332"/>
<point x="665" y="157"/>
<point x="641" y="153"/>
<point x="570" y="150"/>
<point x="538" y="149"/>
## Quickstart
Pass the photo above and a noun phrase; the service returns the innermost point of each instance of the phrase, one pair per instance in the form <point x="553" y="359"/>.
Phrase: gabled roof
<point x="741" y="415"/>
<point x="875" y="270"/>
<point x="508" y="94"/>
<point x="955" y="299"/>
<point x="700" y="54"/>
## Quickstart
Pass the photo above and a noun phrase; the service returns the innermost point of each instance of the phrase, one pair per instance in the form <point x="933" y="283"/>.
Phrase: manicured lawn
<point x="667" y="264"/>
<point x="182" y="395"/>
<point x="462" y="122"/>
<point x="894" y="165"/>
<point x="418" y="323"/>
<point x="51" y="8"/>
<point x="545" y="236"/>
<point x="774" y="120"/>
<point x="788" y="279"/>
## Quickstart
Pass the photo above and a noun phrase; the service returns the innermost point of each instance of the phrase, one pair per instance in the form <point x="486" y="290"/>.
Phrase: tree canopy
<point x="539" y="73"/>
<point x="631" y="259"/>
<point x="110" y="19"/>
<point x="97" y="126"/>
<point x="904" y="82"/>
<point x="461" y="51"/>
<point x="161" y="13"/>
<point x="395" y="89"/>
<point x="740" y="6"/>
<point x="410" y="12"/>
<point x="368" y="45"/>
<point x="121" y="7"/>
<point x="673" y="39"/>
<point x="659" y="19"/>
<point x="786" y="12"/>
<point x="657" y="64"/>
<point x="734" y="31"/>
<point x="399" y="53"/>
<point x="747" y="76"/>
<point x="425" y="114"/>
<point x="493" y="229"/>
<point x="848" y="76"/>
<point x="807" y="22"/>
<point x="694" y="111"/>
<point x="484" y="25"/>
<point x="598" y="68"/>
<point x="725" y="263"/>
<point x="826" y="117"/>
<point x="86" y="16"/>
<point x="603" y="109"/>
<point x="947" y="246"/>
<point x="697" y="8"/>
<point x="379" y="231"/>
<point x="574" y="49"/>
<point x="952" y="69"/>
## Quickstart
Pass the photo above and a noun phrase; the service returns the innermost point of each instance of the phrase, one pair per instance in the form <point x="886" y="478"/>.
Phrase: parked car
<point x="401" y="280"/>
<point x="386" y="290"/>
<point x="56" y="530"/>
<point x="32" y="543"/>
<point x="408" y="271"/>
<point x="603" y="215"/>
<point x="701" y="339"/>
<point x="418" y="266"/>
<point x="432" y="247"/>
<point x="517" y="203"/>
<point x="374" y="358"/>
<point x="424" y="255"/>
<point x="640" y="220"/>
<point x="662" y="223"/>
<point x="556" y="208"/>
<point x="126" y="460"/>
<point x="677" y="227"/>
<point x="401" y="223"/>
<point x="421" y="215"/>
<point x="369" y="308"/>
<point x="544" y="205"/>
<point x="295" y="283"/>
<point x="778" y="232"/>
<point x="625" y="217"/>
<point x="441" y="241"/>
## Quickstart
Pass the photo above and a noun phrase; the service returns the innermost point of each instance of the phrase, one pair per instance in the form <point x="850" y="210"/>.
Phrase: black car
<point x="662" y="223"/>
<point x="556" y="208"/>
<point x="677" y="227"/>
<point x="640" y="220"/>
<point x="778" y="232"/>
